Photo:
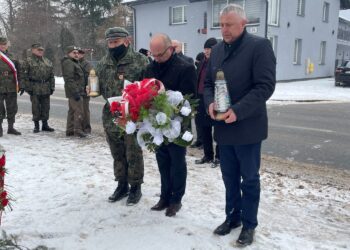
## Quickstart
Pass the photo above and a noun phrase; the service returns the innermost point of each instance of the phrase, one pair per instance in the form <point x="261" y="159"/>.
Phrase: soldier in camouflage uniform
<point x="39" y="81"/>
<point x="8" y="88"/>
<point x="74" y="86"/>
<point x="86" y="66"/>
<point x="121" y="63"/>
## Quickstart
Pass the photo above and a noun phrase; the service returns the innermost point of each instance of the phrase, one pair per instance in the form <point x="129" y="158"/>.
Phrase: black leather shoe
<point x="246" y="237"/>
<point x="134" y="195"/>
<point x="161" y="205"/>
<point x="226" y="227"/>
<point x="120" y="192"/>
<point x="203" y="160"/>
<point x="173" y="209"/>
<point x="197" y="144"/>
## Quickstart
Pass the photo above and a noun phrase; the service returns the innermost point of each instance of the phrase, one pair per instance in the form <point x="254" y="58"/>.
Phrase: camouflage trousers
<point x="8" y="107"/>
<point x="75" y="116"/>
<point x="40" y="107"/>
<point x="86" y="121"/>
<point x="127" y="156"/>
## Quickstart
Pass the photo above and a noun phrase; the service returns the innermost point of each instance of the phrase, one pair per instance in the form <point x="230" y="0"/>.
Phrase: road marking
<point x="303" y="128"/>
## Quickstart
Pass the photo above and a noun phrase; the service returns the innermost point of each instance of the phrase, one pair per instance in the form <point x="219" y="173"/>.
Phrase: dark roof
<point x="344" y="4"/>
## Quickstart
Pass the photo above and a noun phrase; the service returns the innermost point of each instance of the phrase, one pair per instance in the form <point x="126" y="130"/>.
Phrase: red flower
<point x="4" y="202"/>
<point x="3" y="195"/>
<point x="2" y="161"/>
<point x="115" y="106"/>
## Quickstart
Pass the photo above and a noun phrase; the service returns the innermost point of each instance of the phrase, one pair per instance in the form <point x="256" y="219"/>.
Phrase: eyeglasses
<point x="161" y="54"/>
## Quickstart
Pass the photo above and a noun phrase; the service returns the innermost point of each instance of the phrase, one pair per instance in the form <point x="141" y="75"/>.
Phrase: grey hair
<point x="238" y="9"/>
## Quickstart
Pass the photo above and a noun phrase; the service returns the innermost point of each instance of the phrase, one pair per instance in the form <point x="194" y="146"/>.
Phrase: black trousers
<point x="240" y="166"/>
<point x="173" y="172"/>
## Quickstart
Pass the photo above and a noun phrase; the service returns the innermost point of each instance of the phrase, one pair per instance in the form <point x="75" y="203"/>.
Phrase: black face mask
<point x="118" y="52"/>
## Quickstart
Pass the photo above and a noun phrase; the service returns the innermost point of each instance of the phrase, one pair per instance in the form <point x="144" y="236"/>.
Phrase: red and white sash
<point x="12" y="66"/>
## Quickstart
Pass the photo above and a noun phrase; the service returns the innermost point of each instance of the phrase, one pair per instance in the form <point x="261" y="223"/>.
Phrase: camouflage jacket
<point x="86" y="66"/>
<point x="73" y="76"/>
<point x="7" y="79"/>
<point x="112" y="73"/>
<point x="37" y="75"/>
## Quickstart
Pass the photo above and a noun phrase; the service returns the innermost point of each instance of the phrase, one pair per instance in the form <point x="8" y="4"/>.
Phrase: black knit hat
<point x="210" y="43"/>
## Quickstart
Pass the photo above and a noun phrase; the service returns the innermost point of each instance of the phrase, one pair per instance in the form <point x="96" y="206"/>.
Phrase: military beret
<point x="3" y="40"/>
<point x="116" y="32"/>
<point x="210" y="43"/>
<point x="37" y="46"/>
<point x="71" y="48"/>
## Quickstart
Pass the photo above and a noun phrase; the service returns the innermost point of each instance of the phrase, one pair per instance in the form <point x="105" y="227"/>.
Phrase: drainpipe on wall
<point x="266" y="17"/>
<point x="134" y="24"/>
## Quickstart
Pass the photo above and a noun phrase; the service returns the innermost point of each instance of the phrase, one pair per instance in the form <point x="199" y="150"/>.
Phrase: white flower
<point x="187" y="136"/>
<point x="158" y="139"/>
<point x="140" y="140"/>
<point x="178" y="118"/>
<point x="161" y="118"/>
<point x="130" y="127"/>
<point x="187" y="104"/>
<point x="174" y="131"/>
<point x="185" y="111"/>
<point x="174" y="97"/>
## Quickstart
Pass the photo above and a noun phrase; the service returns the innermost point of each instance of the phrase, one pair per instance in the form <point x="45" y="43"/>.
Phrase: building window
<point x="322" y="59"/>
<point x="297" y="51"/>
<point x="178" y="14"/>
<point x="218" y="5"/>
<point x="184" y="48"/>
<point x="274" y="12"/>
<point x="301" y="8"/>
<point x="325" y="13"/>
<point x="273" y="40"/>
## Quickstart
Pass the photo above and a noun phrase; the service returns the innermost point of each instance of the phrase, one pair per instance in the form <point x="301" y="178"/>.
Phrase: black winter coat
<point x="176" y="74"/>
<point x="250" y="72"/>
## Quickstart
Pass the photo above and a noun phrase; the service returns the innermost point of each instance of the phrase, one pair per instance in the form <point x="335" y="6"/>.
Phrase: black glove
<point x="76" y="96"/>
<point x="51" y="91"/>
<point x="30" y="93"/>
<point x="21" y="91"/>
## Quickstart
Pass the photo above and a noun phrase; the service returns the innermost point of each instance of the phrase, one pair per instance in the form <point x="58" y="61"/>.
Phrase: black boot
<point x="225" y="228"/>
<point x="36" y="127"/>
<point x="11" y="130"/>
<point x="246" y="237"/>
<point x="1" y="131"/>
<point x="134" y="195"/>
<point x="120" y="192"/>
<point x="46" y="127"/>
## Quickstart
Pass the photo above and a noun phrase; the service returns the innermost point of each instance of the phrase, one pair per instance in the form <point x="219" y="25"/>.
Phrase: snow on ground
<point x="61" y="187"/>
<point x="310" y="90"/>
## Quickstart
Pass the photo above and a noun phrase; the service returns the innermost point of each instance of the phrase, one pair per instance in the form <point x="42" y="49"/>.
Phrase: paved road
<point x="309" y="133"/>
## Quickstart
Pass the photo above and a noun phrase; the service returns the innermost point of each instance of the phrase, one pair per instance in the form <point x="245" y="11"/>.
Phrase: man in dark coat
<point x="86" y="66"/>
<point x="249" y="66"/>
<point x="74" y="86"/>
<point x="177" y="75"/>
<point x="204" y="123"/>
<point x="178" y="50"/>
